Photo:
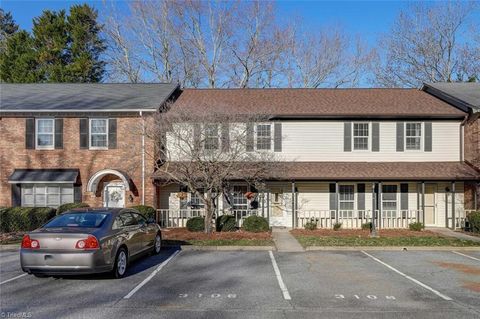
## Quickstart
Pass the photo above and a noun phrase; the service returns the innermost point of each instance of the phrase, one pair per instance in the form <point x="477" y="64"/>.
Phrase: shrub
<point x="417" y="226"/>
<point x="367" y="226"/>
<point x="65" y="207"/>
<point x="311" y="224"/>
<point x="226" y="223"/>
<point x="24" y="218"/>
<point x="255" y="224"/>
<point x="474" y="221"/>
<point x="337" y="226"/>
<point x="147" y="211"/>
<point x="196" y="224"/>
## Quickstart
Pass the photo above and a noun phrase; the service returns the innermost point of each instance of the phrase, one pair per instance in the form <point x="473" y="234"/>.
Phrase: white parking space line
<point x="471" y="257"/>
<point x="421" y="284"/>
<point x="140" y="285"/>
<point x="12" y="279"/>
<point x="283" y="288"/>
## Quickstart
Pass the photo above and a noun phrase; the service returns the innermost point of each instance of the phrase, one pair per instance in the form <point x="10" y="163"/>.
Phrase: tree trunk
<point x="209" y="210"/>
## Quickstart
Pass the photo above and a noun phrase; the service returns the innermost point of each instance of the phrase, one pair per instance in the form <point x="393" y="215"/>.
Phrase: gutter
<point x="143" y="158"/>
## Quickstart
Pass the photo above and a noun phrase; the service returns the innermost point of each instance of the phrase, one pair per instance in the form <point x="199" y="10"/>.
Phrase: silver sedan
<point x="87" y="240"/>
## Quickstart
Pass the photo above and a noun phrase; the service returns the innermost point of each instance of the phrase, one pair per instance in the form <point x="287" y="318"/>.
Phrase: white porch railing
<point x="178" y="217"/>
<point x="460" y="218"/>
<point x="353" y="219"/>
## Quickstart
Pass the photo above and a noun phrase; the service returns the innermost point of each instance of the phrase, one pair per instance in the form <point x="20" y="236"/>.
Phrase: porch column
<point x="418" y="202"/>
<point x="454" y="224"/>
<point x="447" y="190"/>
<point x="263" y="203"/>
<point x="374" y="208"/>
<point x="380" y="204"/>
<point x="336" y="201"/>
<point x="268" y="207"/>
<point x="294" y="219"/>
<point x="423" y="203"/>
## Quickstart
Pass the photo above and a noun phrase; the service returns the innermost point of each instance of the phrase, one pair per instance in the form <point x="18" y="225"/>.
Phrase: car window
<point x="88" y="220"/>
<point x="118" y="223"/>
<point x="140" y="219"/>
<point x="128" y="219"/>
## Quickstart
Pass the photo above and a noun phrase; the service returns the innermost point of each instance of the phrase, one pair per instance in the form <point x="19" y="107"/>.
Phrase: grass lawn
<point x="387" y="238"/>
<point x="181" y="236"/>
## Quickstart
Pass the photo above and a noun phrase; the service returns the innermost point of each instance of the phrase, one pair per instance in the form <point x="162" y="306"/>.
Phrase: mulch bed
<point x="185" y="234"/>
<point x="390" y="233"/>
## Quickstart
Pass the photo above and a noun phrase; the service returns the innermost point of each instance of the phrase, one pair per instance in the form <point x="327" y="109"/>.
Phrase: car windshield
<point x="91" y="220"/>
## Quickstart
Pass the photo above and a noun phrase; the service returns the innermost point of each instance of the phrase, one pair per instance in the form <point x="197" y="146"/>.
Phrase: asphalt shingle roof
<point x="468" y="93"/>
<point x="84" y="97"/>
<point x="316" y="102"/>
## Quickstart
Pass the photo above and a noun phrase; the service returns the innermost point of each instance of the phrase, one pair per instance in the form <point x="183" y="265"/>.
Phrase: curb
<point x="391" y="248"/>
<point x="228" y="248"/>
<point x="10" y="247"/>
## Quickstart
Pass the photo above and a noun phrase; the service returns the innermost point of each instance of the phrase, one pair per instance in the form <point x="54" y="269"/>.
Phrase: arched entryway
<point x="113" y="186"/>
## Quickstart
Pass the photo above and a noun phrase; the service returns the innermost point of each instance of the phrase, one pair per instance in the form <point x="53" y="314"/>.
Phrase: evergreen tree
<point x="7" y="25"/>
<point x="86" y="46"/>
<point x="18" y="62"/>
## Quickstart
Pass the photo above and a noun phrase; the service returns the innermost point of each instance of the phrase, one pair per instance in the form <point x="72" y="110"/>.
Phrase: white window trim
<point x="421" y="136"/>
<point x="39" y="147"/>
<point x="369" y="142"/>
<point x="90" y="133"/>
<point x="46" y="185"/>
<point x="219" y="135"/>
<point x="397" y="199"/>
<point x="272" y="134"/>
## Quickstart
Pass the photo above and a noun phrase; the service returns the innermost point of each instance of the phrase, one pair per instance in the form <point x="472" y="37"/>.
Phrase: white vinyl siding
<point x="323" y="141"/>
<point x="45" y="134"/>
<point x="46" y="195"/>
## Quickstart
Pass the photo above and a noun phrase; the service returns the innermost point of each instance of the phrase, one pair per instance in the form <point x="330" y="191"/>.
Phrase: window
<point x="413" y="136"/>
<point x="87" y="220"/>
<point x="46" y="195"/>
<point x="240" y="202"/>
<point x="211" y="137"/>
<point x="389" y="198"/>
<point x="264" y="137"/>
<point x="360" y="136"/>
<point x="346" y="200"/>
<point x="45" y="133"/>
<point x="128" y="220"/>
<point x="98" y="133"/>
<point x="195" y="201"/>
<point x="140" y="219"/>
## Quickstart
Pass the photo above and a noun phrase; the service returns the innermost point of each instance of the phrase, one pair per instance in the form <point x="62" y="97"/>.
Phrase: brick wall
<point x="126" y="157"/>
<point x="472" y="144"/>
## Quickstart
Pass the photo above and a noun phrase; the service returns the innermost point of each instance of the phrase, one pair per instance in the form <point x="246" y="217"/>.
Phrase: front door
<point x="279" y="214"/>
<point x="114" y="195"/>
<point x="430" y="218"/>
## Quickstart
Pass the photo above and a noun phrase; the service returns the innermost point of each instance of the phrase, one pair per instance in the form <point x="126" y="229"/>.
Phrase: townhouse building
<point x="399" y="155"/>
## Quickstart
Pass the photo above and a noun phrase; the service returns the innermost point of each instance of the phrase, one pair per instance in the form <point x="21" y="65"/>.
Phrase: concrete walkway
<point x="284" y="241"/>
<point x="451" y="233"/>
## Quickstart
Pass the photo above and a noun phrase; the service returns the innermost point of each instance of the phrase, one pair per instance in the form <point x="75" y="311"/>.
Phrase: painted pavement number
<point x="211" y="296"/>
<point x="366" y="297"/>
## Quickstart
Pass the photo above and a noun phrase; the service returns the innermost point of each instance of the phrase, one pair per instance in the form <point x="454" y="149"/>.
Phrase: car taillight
<point x="90" y="242"/>
<point x="29" y="243"/>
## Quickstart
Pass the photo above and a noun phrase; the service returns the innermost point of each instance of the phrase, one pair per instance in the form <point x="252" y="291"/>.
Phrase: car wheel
<point x="121" y="261"/>
<point x="157" y="244"/>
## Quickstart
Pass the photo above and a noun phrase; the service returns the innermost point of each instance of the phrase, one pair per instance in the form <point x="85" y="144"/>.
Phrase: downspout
<point x="143" y="158"/>
<point x="462" y="138"/>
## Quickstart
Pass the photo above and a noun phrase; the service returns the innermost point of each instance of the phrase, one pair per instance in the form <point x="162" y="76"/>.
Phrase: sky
<point x="369" y="18"/>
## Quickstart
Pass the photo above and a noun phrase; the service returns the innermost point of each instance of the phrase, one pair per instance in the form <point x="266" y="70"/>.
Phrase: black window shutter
<point x="404" y="196"/>
<point x="375" y="137"/>
<point x="30" y="133"/>
<point x="333" y="197"/>
<point x="250" y="138"/>
<point x="400" y="136"/>
<point x="277" y="140"/>
<point x="225" y="137"/>
<point x="361" y="196"/>
<point x="112" y="133"/>
<point x="428" y="137"/>
<point x="58" y="133"/>
<point x="84" y="133"/>
<point x="16" y="195"/>
<point x="347" y="136"/>
<point x="197" y="137"/>
<point x="77" y="193"/>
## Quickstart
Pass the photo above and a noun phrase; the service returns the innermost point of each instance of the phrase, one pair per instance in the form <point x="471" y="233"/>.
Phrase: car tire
<point x="157" y="244"/>
<point x="121" y="263"/>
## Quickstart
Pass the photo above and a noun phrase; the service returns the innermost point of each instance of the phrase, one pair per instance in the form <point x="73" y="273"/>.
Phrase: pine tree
<point x="18" y="61"/>
<point x="8" y="27"/>
<point x="86" y="46"/>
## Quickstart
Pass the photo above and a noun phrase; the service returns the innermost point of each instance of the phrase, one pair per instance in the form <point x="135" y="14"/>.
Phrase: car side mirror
<point x="151" y="221"/>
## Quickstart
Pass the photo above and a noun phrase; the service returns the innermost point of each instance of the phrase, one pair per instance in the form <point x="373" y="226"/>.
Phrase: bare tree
<point x="328" y="58"/>
<point x="204" y="152"/>
<point x="427" y="43"/>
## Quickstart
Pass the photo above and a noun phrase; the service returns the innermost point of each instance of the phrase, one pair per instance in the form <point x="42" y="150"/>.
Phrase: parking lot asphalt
<point x="257" y="284"/>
